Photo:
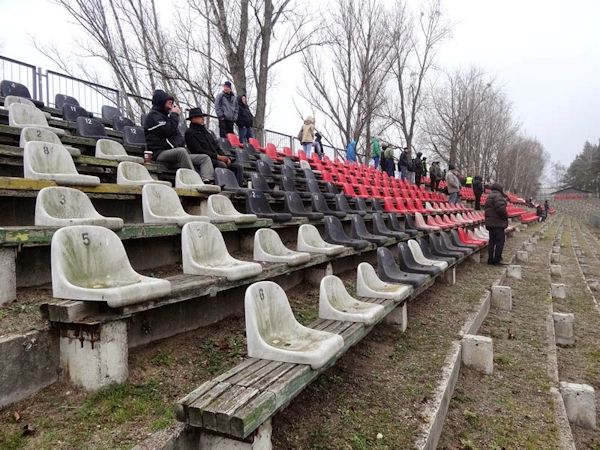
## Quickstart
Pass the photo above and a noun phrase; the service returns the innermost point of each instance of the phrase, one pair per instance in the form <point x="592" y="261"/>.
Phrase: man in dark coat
<point x="418" y="165"/>
<point x="200" y="141"/>
<point x="496" y="221"/>
<point x="478" y="191"/>
<point x="226" y="107"/>
<point x="163" y="139"/>
<point x="245" y="119"/>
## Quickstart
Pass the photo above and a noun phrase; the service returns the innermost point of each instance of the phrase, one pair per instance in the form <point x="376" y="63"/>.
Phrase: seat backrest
<point x="256" y="202"/>
<point x="120" y="122"/>
<point x="259" y="182"/>
<point x="134" y="136"/>
<point x="38" y="134"/>
<point x="43" y="157"/>
<point x="72" y="112"/>
<point x="287" y="172"/>
<point x="308" y="174"/>
<point x="233" y="139"/>
<point x="379" y="223"/>
<point x="8" y="87"/>
<point x="187" y="178"/>
<point x="331" y="188"/>
<point x="342" y="203"/>
<point x="266" y="159"/>
<point x="221" y="205"/>
<point x="88" y="127"/>
<point x="65" y="203"/>
<point x="264" y="169"/>
<point x="133" y="171"/>
<point x="241" y="156"/>
<point x="110" y="112"/>
<point x="313" y="186"/>
<point x="60" y="100"/>
<point x="289" y="163"/>
<point x="109" y="147"/>
<point x="162" y="200"/>
<point x="288" y="184"/>
<point x="225" y="145"/>
<point x="205" y="243"/>
<point x="361" y="204"/>
<point x="20" y="114"/>
<point x="267" y="311"/>
<point x="10" y="99"/>
<point x="334" y="227"/>
<point x="311" y="236"/>
<point x="226" y="179"/>
<point x="254" y="142"/>
<point x="358" y="223"/>
<point x="293" y="202"/>
<point x="320" y="204"/>
<point x="270" y="242"/>
<point x="249" y="148"/>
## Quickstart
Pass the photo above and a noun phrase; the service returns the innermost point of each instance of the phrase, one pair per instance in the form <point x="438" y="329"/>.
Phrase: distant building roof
<point x="570" y="190"/>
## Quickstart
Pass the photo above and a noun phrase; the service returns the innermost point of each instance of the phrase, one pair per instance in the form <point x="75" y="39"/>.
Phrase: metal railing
<point x="20" y="72"/>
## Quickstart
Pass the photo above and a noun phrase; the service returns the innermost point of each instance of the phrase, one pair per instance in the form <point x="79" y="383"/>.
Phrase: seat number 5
<point x="85" y="239"/>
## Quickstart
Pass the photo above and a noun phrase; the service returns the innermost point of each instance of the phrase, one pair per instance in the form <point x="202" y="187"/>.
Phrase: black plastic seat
<point x="438" y="248"/>
<point x="72" y="112"/>
<point x="90" y="128"/>
<point x="335" y="234"/>
<point x="134" y="136"/>
<point x="259" y="183"/>
<point x="376" y="205"/>
<point x="320" y="205"/>
<point x="331" y="188"/>
<point x="359" y="231"/>
<point x="241" y="157"/>
<point x="110" y="112"/>
<point x="380" y="228"/>
<point x="308" y="174"/>
<point x="265" y="170"/>
<point x="361" y="205"/>
<point x="61" y="100"/>
<point x="8" y="87"/>
<point x="264" y="158"/>
<point x="456" y="241"/>
<point x="341" y="203"/>
<point x="293" y="204"/>
<point x="251" y="151"/>
<point x="313" y="187"/>
<point x="447" y="244"/>
<point x="143" y="119"/>
<point x="398" y="225"/>
<point x="407" y="262"/>
<point x="226" y="146"/>
<point x="287" y="172"/>
<point x="287" y="161"/>
<point x="257" y="203"/>
<point x="120" y="122"/>
<point x="388" y="270"/>
<point x="289" y="184"/>
<point x="228" y="181"/>
<point x="429" y="252"/>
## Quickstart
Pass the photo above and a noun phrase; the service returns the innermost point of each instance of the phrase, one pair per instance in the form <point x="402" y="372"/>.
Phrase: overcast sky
<point x="544" y="53"/>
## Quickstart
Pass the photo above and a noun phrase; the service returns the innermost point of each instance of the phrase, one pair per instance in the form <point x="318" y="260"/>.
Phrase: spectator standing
<point x="452" y="184"/>
<point x="375" y="151"/>
<point x="478" y="191"/>
<point x="226" y="107"/>
<point x="388" y="152"/>
<point x="496" y="221"/>
<point x="245" y="119"/>
<point x="351" y="151"/>
<point x="164" y="140"/>
<point x="418" y="165"/>
<point x="424" y="169"/>
<point x="317" y="145"/>
<point x="435" y="175"/>
<point x="307" y="135"/>
<point x="200" y="141"/>
<point x="404" y="163"/>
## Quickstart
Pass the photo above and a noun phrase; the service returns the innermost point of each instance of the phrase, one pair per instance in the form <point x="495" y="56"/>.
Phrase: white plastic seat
<point x="64" y="206"/>
<point x="134" y="174"/>
<point x="204" y="253"/>
<point x="369" y="285"/>
<point x="161" y="204"/>
<point x="89" y="263"/>
<point x="420" y="222"/>
<point x="420" y="258"/>
<point x="274" y="334"/>
<point x="21" y="115"/>
<point x="45" y="161"/>
<point x="10" y="99"/>
<point x="220" y="209"/>
<point x="336" y="304"/>
<point x="309" y="240"/>
<point x="429" y="207"/>
<point x="269" y="248"/>
<point x="44" y="135"/>
<point x="109" y="149"/>
<point x="190" y="179"/>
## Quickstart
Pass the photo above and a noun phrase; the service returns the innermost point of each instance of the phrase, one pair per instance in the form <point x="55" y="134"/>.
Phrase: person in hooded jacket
<point x="375" y="151"/>
<point x="163" y="139"/>
<point x="404" y="163"/>
<point x="245" y="119"/>
<point x="306" y="136"/>
<point x="496" y="221"/>
<point x="318" y="145"/>
<point x="201" y="141"/>
<point x="478" y="191"/>
<point x="226" y="108"/>
<point x="418" y="165"/>
<point x="351" y="151"/>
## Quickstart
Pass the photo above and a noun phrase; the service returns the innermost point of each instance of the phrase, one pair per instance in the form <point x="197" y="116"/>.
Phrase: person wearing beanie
<point x="452" y="184"/>
<point x="226" y="108"/>
<point x="496" y="221"/>
<point x="163" y="139"/>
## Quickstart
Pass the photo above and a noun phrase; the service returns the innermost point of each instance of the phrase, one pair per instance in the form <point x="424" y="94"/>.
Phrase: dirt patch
<point x="513" y="407"/>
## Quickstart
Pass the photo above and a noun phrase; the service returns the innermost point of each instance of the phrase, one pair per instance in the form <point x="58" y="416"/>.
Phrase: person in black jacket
<point x="200" y="141"/>
<point x="496" y="221"/>
<point x="245" y="119"/>
<point x="163" y="139"/>
<point x="478" y="191"/>
<point x="418" y="165"/>
<point x="404" y="163"/>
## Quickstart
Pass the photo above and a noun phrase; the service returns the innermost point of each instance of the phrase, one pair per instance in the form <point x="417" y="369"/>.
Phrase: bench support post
<point x="95" y="356"/>
<point x="199" y="439"/>
<point x="398" y="317"/>
<point x="449" y="276"/>
<point x="8" y="275"/>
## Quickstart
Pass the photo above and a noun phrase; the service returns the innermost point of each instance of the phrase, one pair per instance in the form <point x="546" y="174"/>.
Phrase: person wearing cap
<point x="452" y="184"/>
<point x="226" y="107"/>
<point x="496" y="221"/>
<point x="163" y="139"/>
<point x="201" y="141"/>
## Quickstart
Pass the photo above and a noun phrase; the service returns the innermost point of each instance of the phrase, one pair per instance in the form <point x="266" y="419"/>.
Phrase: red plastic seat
<point x="254" y="142"/>
<point x="234" y="140"/>
<point x="301" y="155"/>
<point x="349" y="190"/>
